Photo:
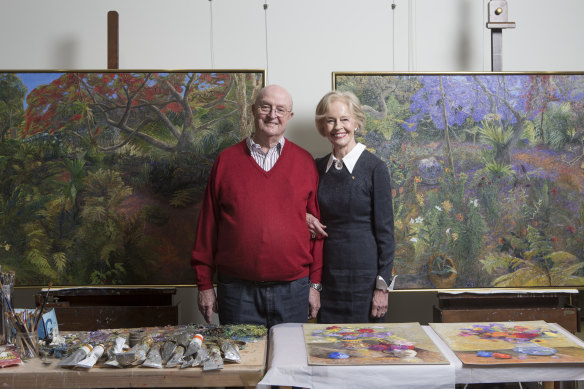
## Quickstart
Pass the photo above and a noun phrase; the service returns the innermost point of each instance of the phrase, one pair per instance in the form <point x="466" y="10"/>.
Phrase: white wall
<point x="307" y="41"/>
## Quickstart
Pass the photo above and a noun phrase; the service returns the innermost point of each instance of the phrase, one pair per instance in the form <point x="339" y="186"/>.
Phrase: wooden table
<point x="34" y="375"/>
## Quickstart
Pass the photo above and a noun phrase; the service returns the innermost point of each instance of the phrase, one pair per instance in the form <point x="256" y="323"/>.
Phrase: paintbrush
<point x="40" y="314"/>
<point x="26" y="338"/>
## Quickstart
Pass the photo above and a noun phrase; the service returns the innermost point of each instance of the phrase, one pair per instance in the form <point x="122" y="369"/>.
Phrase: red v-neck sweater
<point x="252" y="223"/>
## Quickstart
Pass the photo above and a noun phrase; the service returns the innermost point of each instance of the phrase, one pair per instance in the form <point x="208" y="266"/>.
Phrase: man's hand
<point x="313" y="303"/>
<point x="379" y="303"/>
<point x="207" y="303"/>
<point x="315" y="227"/>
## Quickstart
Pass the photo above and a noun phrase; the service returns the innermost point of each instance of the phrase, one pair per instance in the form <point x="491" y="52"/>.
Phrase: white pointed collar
<point x="350" y="160"/>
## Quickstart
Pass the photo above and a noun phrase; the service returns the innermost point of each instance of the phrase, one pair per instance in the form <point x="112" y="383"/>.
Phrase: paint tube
<point x="116" y="347"/>
<point x="214" y="362"/>
<point x="92" y="358"/>
<point x="194" y="345"/>
<point x="167" y="350"/>
<point x="187" y="362"/>
<point x="202" y="356"/>
<point x="183" y="339"/>
<point x="77" y="355"/>
<point x="177" y="357"/>
<point x="230" y="350"/>
<point x="141" y="350"/>
<point x="124" y="359"/>
<point x="154" y="358"/>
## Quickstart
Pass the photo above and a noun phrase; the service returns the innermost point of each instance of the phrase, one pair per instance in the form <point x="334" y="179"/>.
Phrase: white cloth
<point x="288" y="366"/>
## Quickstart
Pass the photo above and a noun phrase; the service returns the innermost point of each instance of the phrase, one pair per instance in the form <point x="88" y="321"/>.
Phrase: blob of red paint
<point x="501" y="355"/>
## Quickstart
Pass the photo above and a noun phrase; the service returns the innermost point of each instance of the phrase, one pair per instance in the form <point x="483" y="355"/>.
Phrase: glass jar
<point x="27" y="344"/>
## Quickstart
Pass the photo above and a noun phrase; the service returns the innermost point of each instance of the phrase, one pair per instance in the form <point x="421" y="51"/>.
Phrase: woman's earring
<point x="356" y="129"/>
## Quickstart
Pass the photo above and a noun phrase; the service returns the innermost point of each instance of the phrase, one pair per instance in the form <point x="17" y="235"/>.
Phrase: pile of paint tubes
<point x="179" y="351"/>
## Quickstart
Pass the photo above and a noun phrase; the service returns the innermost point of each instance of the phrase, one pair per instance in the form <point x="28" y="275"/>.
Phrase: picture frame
<point x="487" y="174"/>
<point x="102" y="172"/>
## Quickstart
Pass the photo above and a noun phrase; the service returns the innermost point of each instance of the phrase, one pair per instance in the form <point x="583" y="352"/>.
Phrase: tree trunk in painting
<point x="245" y="122"/>
<point x="504" y="155"/>
<point x="245" y="117"/>
<point x="446" y="134"/>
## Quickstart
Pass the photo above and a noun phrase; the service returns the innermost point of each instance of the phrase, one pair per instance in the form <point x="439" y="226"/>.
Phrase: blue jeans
<point x="265" y="303"/>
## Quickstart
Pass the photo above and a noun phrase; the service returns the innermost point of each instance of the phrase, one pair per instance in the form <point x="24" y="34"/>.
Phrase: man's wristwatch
<point x="317" y="287"/>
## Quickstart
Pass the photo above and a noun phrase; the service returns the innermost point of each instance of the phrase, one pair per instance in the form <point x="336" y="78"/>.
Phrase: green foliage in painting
<point x="101" y="173"/>
<point x="487" y="171"/>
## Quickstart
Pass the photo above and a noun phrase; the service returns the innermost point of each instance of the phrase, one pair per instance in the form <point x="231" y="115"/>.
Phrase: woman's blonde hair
<point x="348" y="98"/>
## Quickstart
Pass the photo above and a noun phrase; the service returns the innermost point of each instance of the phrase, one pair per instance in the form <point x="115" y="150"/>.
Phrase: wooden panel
<point x="107" y="296"/>
<point x="90" y="309"/>
<point x="502" y="300"/>
<point x="566" y="317"/>
<point x="94" y="318"/>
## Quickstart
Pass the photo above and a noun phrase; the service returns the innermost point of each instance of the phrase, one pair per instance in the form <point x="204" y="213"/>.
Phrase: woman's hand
<point x="315" y="227"/>
<point x="379" y="303"/>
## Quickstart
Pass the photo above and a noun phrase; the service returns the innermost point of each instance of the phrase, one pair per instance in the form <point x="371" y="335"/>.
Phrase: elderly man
<point x="252" y="226"/>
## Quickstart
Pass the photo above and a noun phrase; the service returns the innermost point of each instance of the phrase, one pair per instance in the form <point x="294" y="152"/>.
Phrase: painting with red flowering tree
<point x="487" y="174"/>
<point x="521" y="342"/>
<point x="101" y="173"/>
<point x="370" y="344"/>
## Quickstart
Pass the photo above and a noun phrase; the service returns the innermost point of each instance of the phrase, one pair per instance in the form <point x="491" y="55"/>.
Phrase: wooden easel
<point x="113" y="33"/>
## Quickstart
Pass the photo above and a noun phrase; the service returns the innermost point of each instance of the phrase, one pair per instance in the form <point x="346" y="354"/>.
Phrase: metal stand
<point x="498" y="20"/>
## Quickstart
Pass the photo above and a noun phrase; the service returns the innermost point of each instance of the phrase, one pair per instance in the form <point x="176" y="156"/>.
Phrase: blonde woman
<point x="354" y="196"/>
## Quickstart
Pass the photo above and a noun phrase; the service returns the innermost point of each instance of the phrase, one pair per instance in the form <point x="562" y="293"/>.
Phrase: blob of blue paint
<point x="538" y="350"/>
<point x="338" y="355"/>
<point x="484" y="354"/>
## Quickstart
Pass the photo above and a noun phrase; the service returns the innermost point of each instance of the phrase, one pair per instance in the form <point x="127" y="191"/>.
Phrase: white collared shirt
<point x="350" y="160"/>
<point x="265" y="160"/>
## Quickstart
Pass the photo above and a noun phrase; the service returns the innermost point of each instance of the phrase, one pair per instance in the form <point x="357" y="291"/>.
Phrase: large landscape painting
<point x="101" y="173"/>
<point x="487" y="175"/>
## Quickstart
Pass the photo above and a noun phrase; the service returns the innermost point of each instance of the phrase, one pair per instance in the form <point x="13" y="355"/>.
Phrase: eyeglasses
<point x="266" y="109"/>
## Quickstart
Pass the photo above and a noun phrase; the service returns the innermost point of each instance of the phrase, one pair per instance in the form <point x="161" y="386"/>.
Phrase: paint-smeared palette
<point x="370" y="344"/>
<point x="498" y="343"/>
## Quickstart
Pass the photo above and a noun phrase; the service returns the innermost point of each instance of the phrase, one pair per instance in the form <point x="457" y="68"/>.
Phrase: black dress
<point x="357" y="210"/>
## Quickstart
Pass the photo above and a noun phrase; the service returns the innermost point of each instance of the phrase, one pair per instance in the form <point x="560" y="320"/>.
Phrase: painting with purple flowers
<point x="487" y="174"/>
<point x="494" y="343"/>
<point x="370" y="344"/>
